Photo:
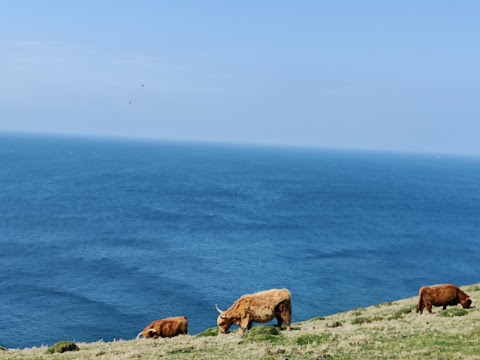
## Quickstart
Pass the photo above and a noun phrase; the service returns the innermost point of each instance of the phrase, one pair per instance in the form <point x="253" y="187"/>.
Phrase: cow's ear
<point x="153" y="331"/>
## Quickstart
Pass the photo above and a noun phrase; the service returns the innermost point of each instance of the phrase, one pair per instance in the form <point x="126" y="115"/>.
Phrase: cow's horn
<point x="220" y="311"/>
<point x="152" y="330"/>
<point x="139" y="334"/>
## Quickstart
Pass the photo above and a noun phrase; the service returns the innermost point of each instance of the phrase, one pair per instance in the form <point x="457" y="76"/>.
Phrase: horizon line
<point x="264" y="144"/>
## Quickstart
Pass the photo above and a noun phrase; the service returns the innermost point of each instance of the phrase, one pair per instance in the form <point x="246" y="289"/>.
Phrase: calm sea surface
<point x="100" y="237"/>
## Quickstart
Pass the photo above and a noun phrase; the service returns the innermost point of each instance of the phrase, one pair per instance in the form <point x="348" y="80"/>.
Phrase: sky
<point x="380" y="75"/>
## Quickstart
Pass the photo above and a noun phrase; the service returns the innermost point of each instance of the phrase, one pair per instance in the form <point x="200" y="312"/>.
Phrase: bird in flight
<point x="131" y="100"/>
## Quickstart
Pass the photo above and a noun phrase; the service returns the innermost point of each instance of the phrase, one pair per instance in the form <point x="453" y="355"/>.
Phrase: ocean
<point x="99" y="237"/>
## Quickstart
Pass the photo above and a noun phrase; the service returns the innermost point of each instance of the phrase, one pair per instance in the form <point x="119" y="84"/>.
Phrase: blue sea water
<point x="99" y="237"/>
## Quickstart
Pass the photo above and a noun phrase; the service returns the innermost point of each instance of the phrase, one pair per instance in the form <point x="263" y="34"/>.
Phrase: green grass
<point x="263" y="333"/>
<point x="360" y="320"/>
<point x="358" y="311"/>
<point x="365" y="320"/>
<point x="312" y="339"/>
<point x="392" y="331"/>
<point x="403" y="311"/>
<point x="453" y="312"/>
<point x="62" y="347"/>
<point x="208" y="332"/>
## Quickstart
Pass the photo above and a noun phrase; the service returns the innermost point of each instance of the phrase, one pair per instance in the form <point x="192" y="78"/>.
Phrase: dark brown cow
<point x="259" y="307"/>
<point x="168" y="327"/>
<point x="441" y="295"/>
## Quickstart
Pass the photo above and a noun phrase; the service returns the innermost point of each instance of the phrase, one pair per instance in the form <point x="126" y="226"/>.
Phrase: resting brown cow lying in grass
<point x="441" y="295"/>
<point x="168" y="327"/>
<point x="259" y="307"/>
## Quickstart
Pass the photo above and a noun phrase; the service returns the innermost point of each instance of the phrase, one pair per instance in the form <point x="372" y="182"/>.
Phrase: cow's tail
<point x="420" y="301"/>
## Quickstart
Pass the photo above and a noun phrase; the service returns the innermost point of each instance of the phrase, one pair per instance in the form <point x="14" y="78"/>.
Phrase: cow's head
<point x="223" y="322"/>
<point x="148" y="334"/>
<point x="466" y="303"/>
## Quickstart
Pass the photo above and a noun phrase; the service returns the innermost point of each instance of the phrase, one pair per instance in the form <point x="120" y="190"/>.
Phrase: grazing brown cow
<point x="259" y="307"/>
<point x="441" y="295"/>
<point x="168" y="327"/>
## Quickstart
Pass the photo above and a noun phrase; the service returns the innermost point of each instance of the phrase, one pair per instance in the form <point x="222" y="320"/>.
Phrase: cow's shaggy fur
<point x="260" y="307"/>
<point x="168" y="327"/>
<point x="441" y="295"/>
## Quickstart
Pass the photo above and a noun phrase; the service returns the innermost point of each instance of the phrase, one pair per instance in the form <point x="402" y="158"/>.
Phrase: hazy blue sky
<point x="401" y="75"/>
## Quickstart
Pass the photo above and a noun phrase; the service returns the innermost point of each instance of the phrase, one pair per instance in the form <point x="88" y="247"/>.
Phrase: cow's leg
<point x="279" y="320"/>
<point x="278" y="315"/>
<point x="285" y="314"/>
<point x="246" y="323"/>
<point x="420" y="306"/>
<point x="444" y="307"/>
<point x="429" y="308"/>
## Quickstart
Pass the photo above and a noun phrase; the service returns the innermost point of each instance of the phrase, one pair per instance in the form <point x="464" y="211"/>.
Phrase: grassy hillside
<point x="385" y="331"/>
